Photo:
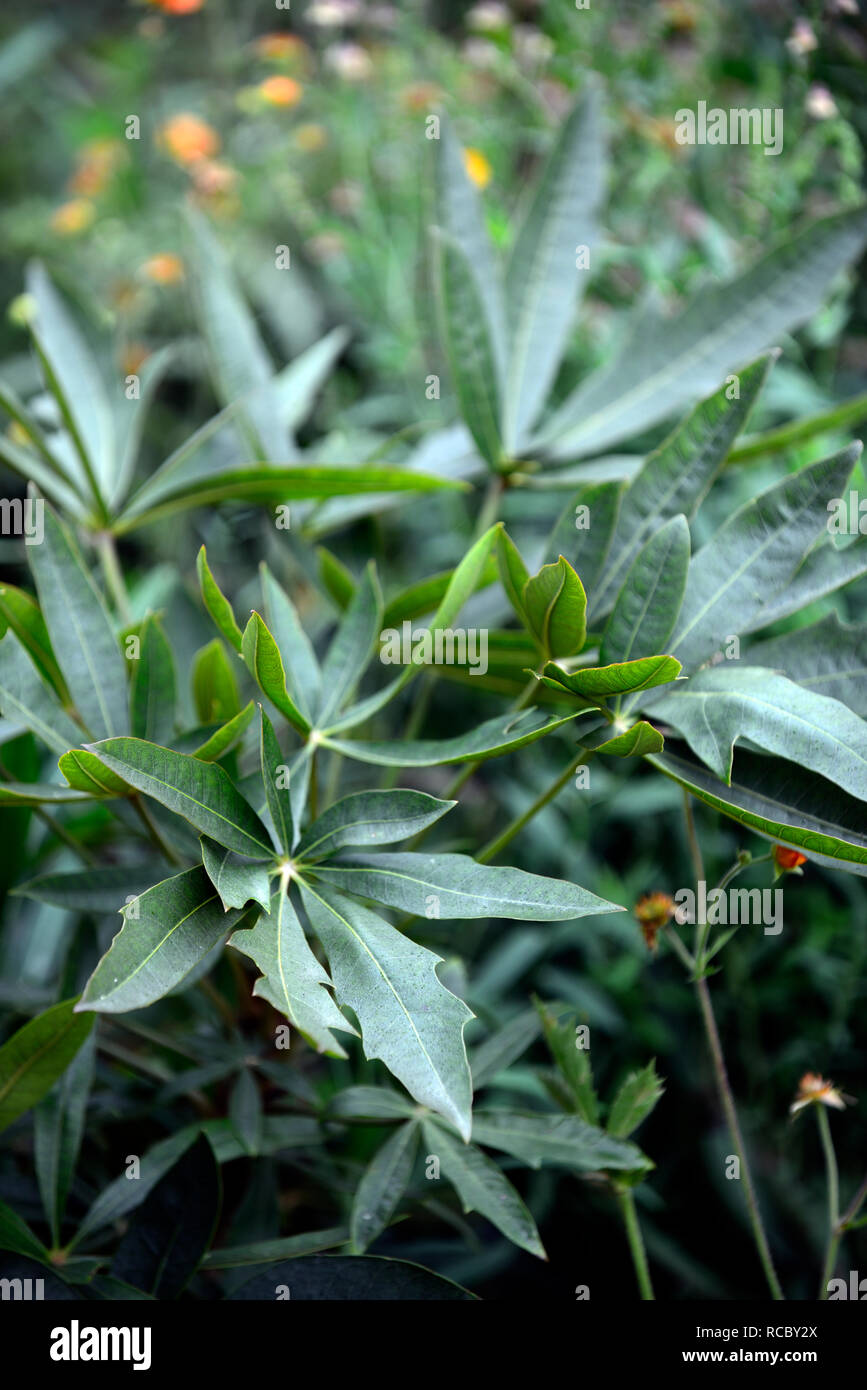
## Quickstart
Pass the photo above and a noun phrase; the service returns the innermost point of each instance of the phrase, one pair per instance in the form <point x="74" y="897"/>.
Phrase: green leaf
<point x="514" y="574"/>
<point x="152" y="697"/>
<point x="556" y="607"/>
<point x="335" y="578"/>
<point x="222" y="739"/>
<point x="828" y="657"/>
<point x="303" y="679"/>
<point x="647" y="606"/>
<point x="755" y="555"/>
<point x="503" y="734"/>
<point x="17" y="1237"/>
<point x="89" y="890"/>
<point x="371" y="818"/>
<point x="459" y="887"/>
<point x="584" y="531"/>
<point x="38" y="794"/>
<point x="382" y="1186"/>
<point x="503" y="1047"/>
<point x="408" y="1018"/>
<point x="469" y="348"/>
<point x="623" y="678"/>
<point x="573" y="1064"/>
<point x="642" y="738"/>
<point x="277" y="780"/>
<point x="370" y="1103"/>
<point x="263" y="661"/>
<point x="564" y="1140"/>
<point x="201" y="792"/>
<point x="352" y="646"/>
<point x="260" y="1252"/>
<point x="20" y="612"/>
<point x="216" y="602"/>
<point x="34" y="1057"/>
<point x="674" y="479"/>
<point x="123" y="1195"/>
<point x="58" y="1131"/>
<point x="28" y="700"/>
<point x="85" y="772"/>
<point x="237" y="879"/>
<point x="637" y="1096"/>
<point x="543" y="285"/>
<point x="165" y="933"/>
<point x="215" y="685"/>
<point x="423" y="597"/>
<point x="245" y="1112"/>
<point x="664" y="363"/>
<point x="81" y="633"/>
<point x="324" y="1278"/>
<point x="292" y="978"/>
<point x="718" y="706"/>
<point x="482" y="1187"/>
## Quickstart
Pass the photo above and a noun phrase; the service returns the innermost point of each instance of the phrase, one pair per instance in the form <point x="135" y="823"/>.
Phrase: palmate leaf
<point x="201" y="792"/>
<point x="408" y="1018"/>
<point x="720" y="705"/>
<point x="482" y="1187"/>
<point x="828" y="657"/>
<point x="735" y="578"/>
<point x="663" y="364"/>
<point x="503" y="734"/>
<point x="166" y="932"/>
<point x="36" y="1055"/>
<point x="543" y="285"/>
<point x="81" y="633"/>
<point x="370" y="818"/>
<point x="292" y="978"/>
<point x="237" y="879"/>
<point x="459" y="887"/>
<point x="382" y="1185"/>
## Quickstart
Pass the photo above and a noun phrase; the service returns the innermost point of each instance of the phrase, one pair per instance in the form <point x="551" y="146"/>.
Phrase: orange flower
<point x="815" y="1090"/>
<point x="189" y="139"/>
<point x="788" y="860"/>
<point x="96" y="162"/>
<point x="653" y="911"/>
<point x="178" y="6"/>
<point x="73" y="217"/>
<point x="277" y="47"/>
<point x="280" y="91"/>
<point x="163" y="269"/>
<point x="477" y="167"/>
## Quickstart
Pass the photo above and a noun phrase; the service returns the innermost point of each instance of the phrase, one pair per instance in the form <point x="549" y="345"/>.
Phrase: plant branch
<point x="626" y="1202"/>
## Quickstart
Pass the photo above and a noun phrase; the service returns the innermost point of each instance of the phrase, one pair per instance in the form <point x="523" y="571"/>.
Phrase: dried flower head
<point x="653" y="911"/>
<point x="815" y="1090"/>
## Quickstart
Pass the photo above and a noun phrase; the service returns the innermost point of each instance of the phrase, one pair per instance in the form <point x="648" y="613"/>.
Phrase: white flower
<point x="330" y="14"/>
<point x="350" y="61"/>
<point x="820" y="103"/>
<point x="802" y="40"/>
<point x="488" y="17"/>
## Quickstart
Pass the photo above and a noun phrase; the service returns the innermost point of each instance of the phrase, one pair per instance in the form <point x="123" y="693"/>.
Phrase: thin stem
<point x="694" y="847"/>
<point x="493" y="847"/>
<point x="105" y="544"/>
<point x="834" y="1231"/>
<point x="626" y="1201"/>
<point x="314" y="787"/>
<point x="490" y="506"/>
<point x="151" y="828"/>
<point x="731" y="1114"/>
<point x="854" y="1206"/>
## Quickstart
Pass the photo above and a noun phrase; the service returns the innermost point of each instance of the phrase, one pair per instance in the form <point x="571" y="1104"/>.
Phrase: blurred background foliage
<point x="313" y="137"/>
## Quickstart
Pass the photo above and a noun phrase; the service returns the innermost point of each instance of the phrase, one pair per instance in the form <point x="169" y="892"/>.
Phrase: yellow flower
<point x="188" y="138"/>
<point x="815" y="1090"/>
<point x="73" y="217"/>
<point x="280" y="91"/>
<point x="477" y="167"/>
<point x="310" y="138"/>
<point x="163" y="269"/>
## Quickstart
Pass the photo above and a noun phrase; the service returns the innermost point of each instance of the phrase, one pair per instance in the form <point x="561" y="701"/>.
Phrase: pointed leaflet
<point x="482" y="1187"/>
<point x="647" y="606"/>
<point x="86" y="773"/>
<point x="34" y="1057"/>
<point x="462" y="888"/>
<point x="573" y="1062"/>
<point x="665" y="363"/>
<point x="25" y="697"/>
<point x="237" y="879"/>
<point x="57" y="1134"/>
<point x="638" y="1095"/>
<point x="503" y="734"/>
<point x="222" y="739"/>
<point x="215" y="685"/>
<point x="675" y="477"/>
<point x="722" y="704"/>
<point x="636" y="742"/>
<point x="556" y="607"/>
<point x="89" y="890"/>
<point x="277" y="781"/>
<point x="20" y="612"/>
<point x="166" y="932"/>
<point x="565" y="1140"/>
<point x="754" y="555"/>
<point x="470" y="351"/>
<point x="514" y="574"/>
<point x="371" y="818"/>
<point x="543" y="284"/>
<point x="216" y="602"/>
<point x="303" y="680"/>
<point x="408" y="1018"/>
<point x="828" y="657"/>
<point x="81" y="633"/>
<point x="585" y="530"/>
<point x="352" y="645"/>
<point x="823" y="570"/>
<point x="292" y="978"/>
<point x="263" y="661"/>
<point x="201" y="792"/>
<point x="623" y="678"/>
<point x="382" y="1186"/>
<point x="152" y="697"/>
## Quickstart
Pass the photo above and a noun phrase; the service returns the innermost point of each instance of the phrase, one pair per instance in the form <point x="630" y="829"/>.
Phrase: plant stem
<point x="314" y="787"/>
<point x="151" y="828"/>
<point x="626" y="1202"/>
<point x="493" y="847"/>
<point x="854" y="1206"/>
<point x="694" y="846"/>
<point x="490" y="506"/>
<point x="113" y="575"/>
<point x="731" y="1114"/>
<point x="834" y="1231"/>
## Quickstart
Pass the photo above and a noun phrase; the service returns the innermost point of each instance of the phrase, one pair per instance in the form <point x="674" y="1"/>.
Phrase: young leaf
<point x="165" y="933"/>
<point x="371" y="818"/>
<point x="482" y="1187"/>
<point x="201" y="792"/>
<point x="573" y="1064"/>
<point x="292" y="978"/>
<point x="637" y="1096"/>
<point x="382" y="1186"/>
<point x="514" y="574"/>
<point x="152" y="697"/>
<point x="216" y="602"/>
<point x="215" y="685"/>
<point x="623" y="678"/>
<point x="408" y="1018"/>
<point x="636" y="742"/>
<point x="34" y="1057"/>
<point x="20" y="612"/>
<point x="237" y="879"/>
<point x="556" y="607"/>
<point x="222" y="739"/>
<point x="263" y="661"/>
<point x="303" y="679"/>
<point x="85" y="772"/>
